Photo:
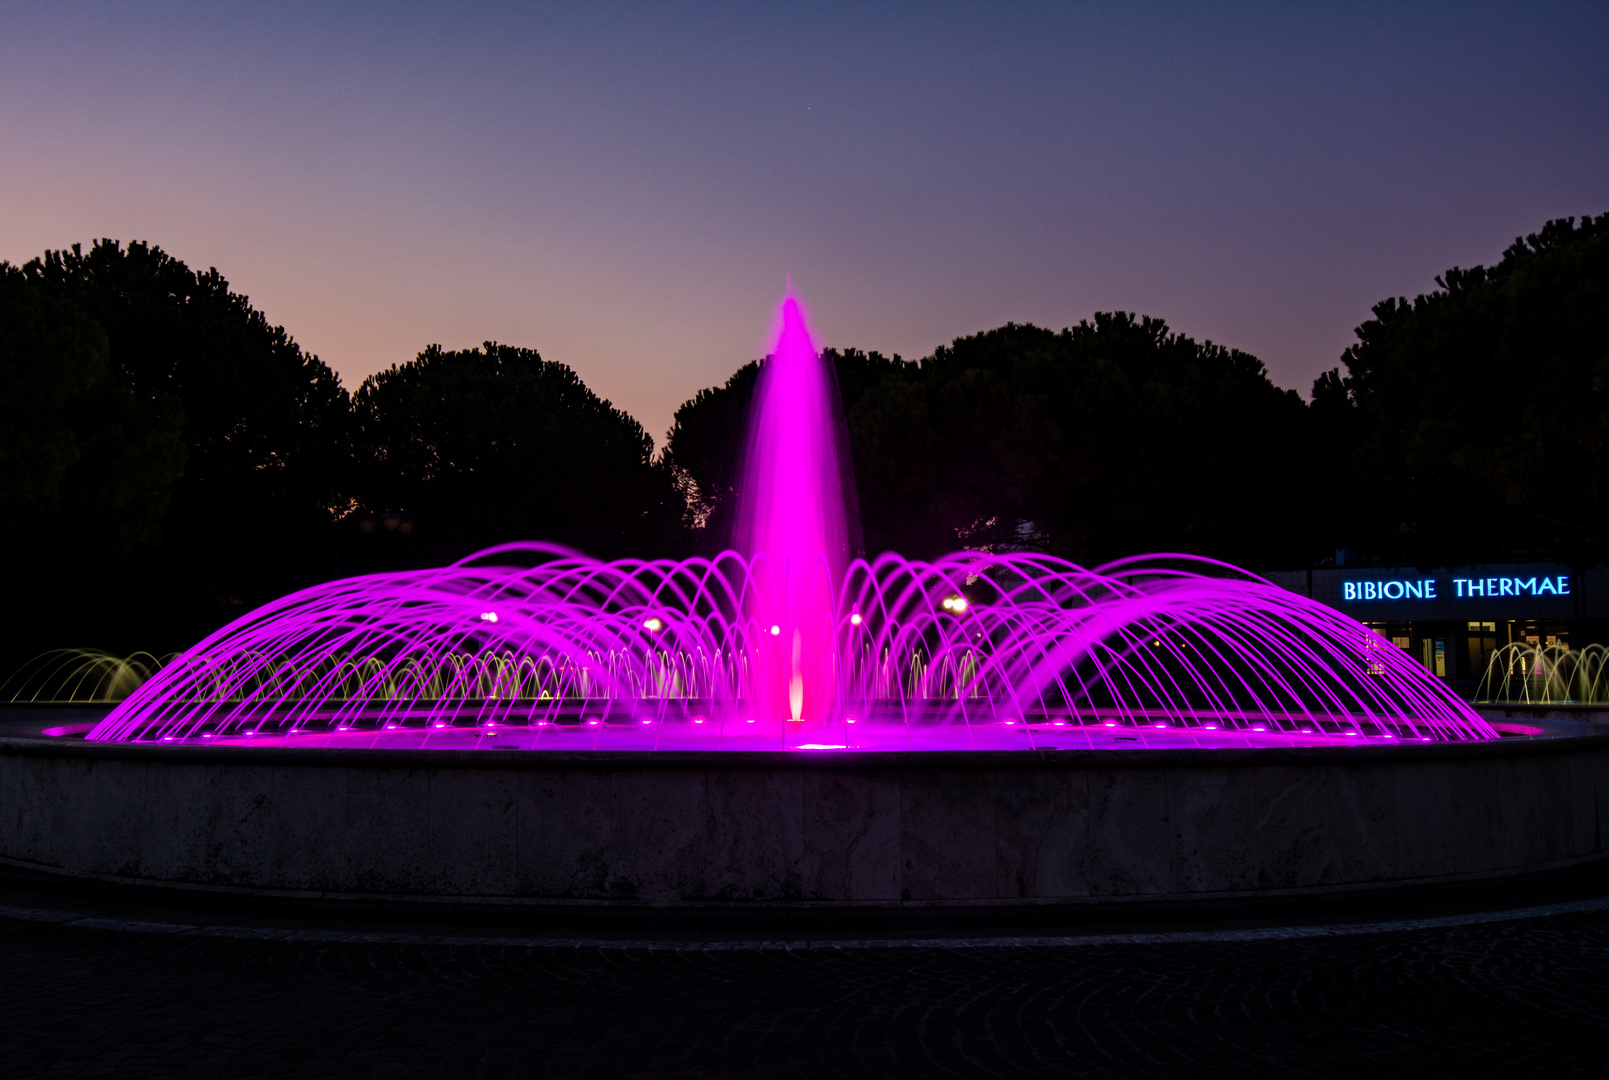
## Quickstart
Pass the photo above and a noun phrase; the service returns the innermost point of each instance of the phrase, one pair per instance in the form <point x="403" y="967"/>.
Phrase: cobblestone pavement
<point x="1526" y="997"/>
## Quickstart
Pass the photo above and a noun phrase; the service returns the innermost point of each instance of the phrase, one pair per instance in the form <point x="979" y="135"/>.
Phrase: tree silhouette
<point x="263" y="439"/>
<point x="490" y="445"/>
<point x="1473" y="422"/>
<point x="1112" y="437"/>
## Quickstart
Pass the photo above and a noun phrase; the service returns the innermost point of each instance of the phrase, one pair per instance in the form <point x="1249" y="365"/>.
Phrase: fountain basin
<point x="785" y="835"/>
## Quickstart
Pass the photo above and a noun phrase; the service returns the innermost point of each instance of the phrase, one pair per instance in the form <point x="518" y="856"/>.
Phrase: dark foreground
<point x="1515" y="997"/>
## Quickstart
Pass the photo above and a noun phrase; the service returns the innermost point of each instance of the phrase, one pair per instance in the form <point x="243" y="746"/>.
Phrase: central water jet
<point x="792" y="524"/>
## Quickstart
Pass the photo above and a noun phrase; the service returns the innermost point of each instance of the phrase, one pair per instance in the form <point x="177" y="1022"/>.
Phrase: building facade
<point x="1454" y="619"/>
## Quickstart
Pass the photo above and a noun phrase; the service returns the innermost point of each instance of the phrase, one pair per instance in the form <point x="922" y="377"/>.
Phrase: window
<point x="1482" y="644"/>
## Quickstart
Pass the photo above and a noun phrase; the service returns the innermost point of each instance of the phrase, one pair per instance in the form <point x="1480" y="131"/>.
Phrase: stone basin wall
<point x="778" y="829"/>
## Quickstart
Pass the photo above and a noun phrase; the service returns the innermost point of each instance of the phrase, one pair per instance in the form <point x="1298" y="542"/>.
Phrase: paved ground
<point x="1448" y="997"/>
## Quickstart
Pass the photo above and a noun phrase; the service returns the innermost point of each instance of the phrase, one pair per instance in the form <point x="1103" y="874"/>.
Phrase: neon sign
<point x="1423" y="589"/>
<point x="1513" y="586"/>
<point x="1463" y="588"/>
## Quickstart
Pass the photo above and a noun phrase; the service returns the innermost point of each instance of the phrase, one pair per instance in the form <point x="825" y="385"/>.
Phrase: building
<point x="1454" y="619"/>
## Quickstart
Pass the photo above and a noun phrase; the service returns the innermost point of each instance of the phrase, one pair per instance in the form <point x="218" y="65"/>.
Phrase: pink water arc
<point x="788" y="640"/>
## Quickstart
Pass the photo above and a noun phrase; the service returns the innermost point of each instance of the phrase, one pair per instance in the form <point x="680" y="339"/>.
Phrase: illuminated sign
<point x="1397" y="589"/>
<point x="1463" y="588"/>
<point x="1513" y="586"/>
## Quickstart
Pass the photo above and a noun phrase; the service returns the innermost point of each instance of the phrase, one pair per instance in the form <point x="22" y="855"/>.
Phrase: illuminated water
<point x="791" y="523"/>
<point x="786" y="642"/>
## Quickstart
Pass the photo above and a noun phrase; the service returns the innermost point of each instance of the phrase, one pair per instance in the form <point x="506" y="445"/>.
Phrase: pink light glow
<point x="1177" y="651"/>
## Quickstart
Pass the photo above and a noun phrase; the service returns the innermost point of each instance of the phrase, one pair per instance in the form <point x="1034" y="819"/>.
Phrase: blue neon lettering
<point x="1426" y="588"/>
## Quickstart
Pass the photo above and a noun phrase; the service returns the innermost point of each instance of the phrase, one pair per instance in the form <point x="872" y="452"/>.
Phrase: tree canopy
<point x="1473" y="422"/>
<point x="168" y="457"/>
<point x="208" y="450"/>
<point x="1110" y="437"/>
<point x="494" y="444"/>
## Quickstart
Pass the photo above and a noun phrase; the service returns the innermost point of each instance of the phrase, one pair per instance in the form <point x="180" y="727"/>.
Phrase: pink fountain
<point x="788" y="641"/>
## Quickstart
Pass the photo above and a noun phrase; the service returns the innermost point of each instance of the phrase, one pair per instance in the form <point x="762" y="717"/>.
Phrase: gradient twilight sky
<point x="625" y="187"/>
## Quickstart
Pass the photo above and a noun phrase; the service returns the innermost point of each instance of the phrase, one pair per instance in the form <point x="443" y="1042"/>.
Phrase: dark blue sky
<point x="624" y="188"/>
